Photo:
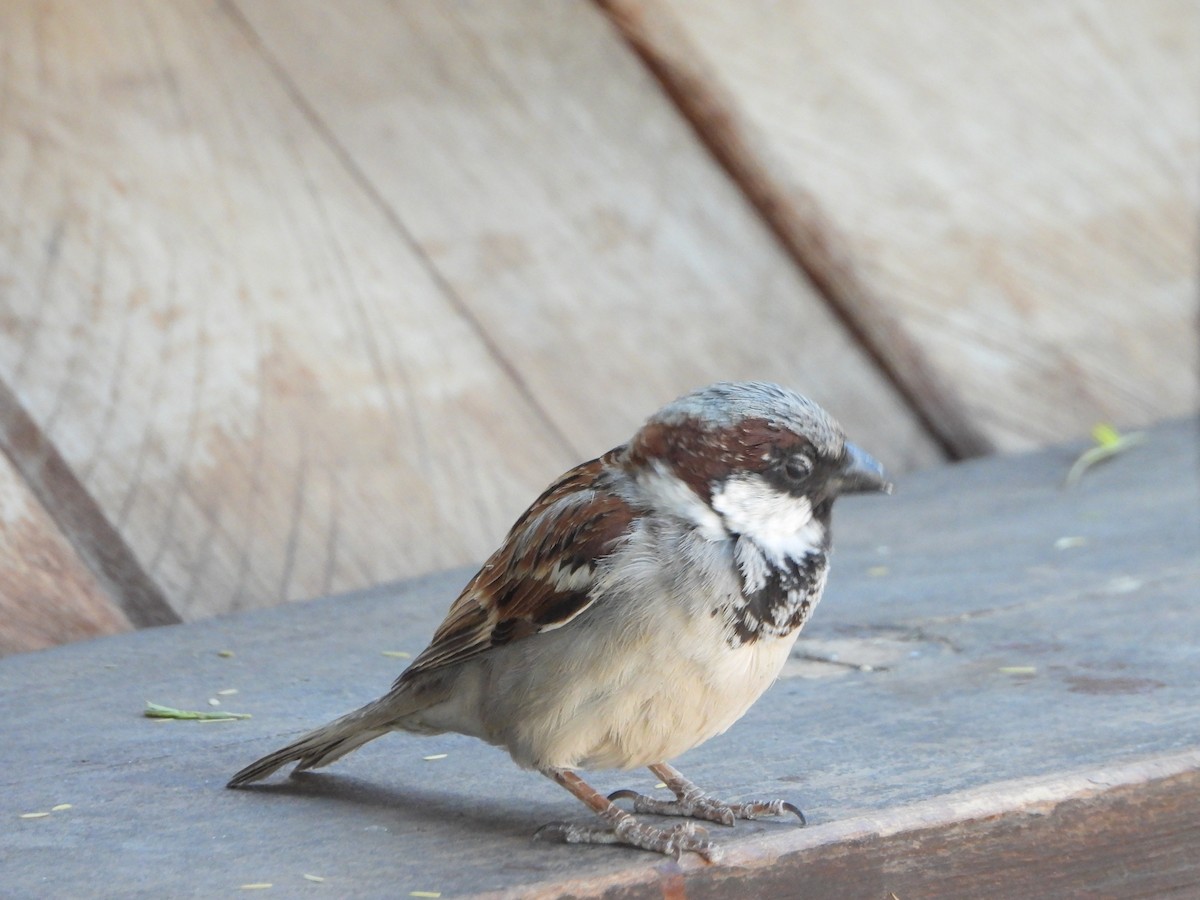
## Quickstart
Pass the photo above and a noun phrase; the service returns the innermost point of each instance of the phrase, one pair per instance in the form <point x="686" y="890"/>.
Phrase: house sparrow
<point x="635" y="610"/>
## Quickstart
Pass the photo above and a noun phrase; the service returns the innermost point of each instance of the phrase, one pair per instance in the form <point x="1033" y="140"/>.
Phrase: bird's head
<point x="750" y="459"/>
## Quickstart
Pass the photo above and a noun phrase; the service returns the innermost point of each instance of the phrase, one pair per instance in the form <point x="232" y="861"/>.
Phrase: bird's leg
<point x="622" y="828"/>
<point x="692" y="802"/>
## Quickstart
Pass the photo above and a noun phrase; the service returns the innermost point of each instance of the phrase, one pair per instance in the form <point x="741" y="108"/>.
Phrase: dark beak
<point x="860" y="473"/>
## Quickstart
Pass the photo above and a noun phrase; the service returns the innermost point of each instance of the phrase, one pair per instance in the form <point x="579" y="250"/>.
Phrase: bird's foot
<point x="674" y="841"/>
<point x="709" y="808"/>
<point x="694" y="803"/>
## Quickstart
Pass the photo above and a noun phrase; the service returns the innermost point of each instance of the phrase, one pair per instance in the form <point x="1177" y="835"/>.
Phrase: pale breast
<point x="645" y="674"/>
<point x="688" y="698"/>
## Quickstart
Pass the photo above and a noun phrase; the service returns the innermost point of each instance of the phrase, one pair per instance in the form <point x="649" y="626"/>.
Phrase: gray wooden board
<point x="940" y="589"/>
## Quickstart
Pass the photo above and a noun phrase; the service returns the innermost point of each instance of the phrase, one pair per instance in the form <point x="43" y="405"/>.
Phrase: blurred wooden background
<point x="297" y="297"/>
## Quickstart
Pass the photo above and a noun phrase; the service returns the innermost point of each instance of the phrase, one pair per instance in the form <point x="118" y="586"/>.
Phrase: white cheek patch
<point x="781" y="524"/>
<point x="670" y="493"/>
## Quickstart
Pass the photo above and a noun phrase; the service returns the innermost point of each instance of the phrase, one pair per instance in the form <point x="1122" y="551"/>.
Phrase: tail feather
<point x="325" y="744"/>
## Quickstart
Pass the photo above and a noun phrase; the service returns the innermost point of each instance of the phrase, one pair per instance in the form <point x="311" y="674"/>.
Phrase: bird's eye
<point x="797" y="467"/>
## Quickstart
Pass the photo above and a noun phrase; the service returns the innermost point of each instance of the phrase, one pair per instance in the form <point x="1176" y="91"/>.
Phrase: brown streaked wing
<point x="541" y="577"/>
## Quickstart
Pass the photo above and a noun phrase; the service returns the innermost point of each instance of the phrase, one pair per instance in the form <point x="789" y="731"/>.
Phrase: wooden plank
<point x="1002" y="196"/>
<point x="237" y="354"/>
<point x="1127" y="831"/>
<point x="571" y="211"/>
<point x="1029" y="726"/>
<point x="47" y="594"/>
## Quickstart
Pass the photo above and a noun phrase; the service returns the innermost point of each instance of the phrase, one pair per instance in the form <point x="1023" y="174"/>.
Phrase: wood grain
<point x="571" y="211"/>
<point x="1002" y="196"/>
<point x="258" y="380"/>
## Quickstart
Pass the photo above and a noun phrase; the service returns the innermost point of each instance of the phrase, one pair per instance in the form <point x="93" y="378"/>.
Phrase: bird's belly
<point x="671" y="712"/>
<point x="643" y="703"/>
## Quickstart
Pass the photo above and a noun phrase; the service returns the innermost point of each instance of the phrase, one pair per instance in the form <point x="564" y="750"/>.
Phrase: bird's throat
<point x="778" y="594"/>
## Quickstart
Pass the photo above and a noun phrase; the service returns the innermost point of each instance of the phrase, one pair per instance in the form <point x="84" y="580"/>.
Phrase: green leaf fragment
<point x="1109" y="443"/>
<point x="157" y="711"/>
<point x="1105" y="435"/>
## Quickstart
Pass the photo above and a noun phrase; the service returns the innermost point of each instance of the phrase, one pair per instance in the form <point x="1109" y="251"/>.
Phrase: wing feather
<point x="542" y="576"/>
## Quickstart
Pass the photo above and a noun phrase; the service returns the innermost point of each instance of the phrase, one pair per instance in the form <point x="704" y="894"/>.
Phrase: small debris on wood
<point x="157" y="711"/>
<point x="397" y="654"/>
<point x="1017" y="670"/>
<point x="833" y="659"/>
<point x="1123" y="584"/>
<point x="435" y="756"/>
<point x="257" y="886"/>
<point x="1070" y="542"/>
<point x="317" y="878"/>
<point x="225" y="654"/>
<point x="228" y="692"/>
<point x="41" y="815"/>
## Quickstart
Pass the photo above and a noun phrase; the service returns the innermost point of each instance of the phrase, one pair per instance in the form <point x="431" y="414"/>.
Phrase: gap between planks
<point x="805" y="233"/>
<point x="356" y="173"/>
<point x="79" y="518"/>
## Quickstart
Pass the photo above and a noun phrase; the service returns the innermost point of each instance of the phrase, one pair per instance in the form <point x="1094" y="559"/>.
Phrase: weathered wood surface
<point x="297" y="322"/>
<point x="1029" y="726"/>
<point x="1003" y="196"/>
<point x="572" y="213"/>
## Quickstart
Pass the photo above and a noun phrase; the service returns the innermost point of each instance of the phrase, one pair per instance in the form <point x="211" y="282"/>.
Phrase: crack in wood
<point x="392" y="215"/>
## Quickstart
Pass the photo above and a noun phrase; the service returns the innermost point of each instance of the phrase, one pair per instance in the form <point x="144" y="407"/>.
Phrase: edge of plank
<point x="1004" y="839"/>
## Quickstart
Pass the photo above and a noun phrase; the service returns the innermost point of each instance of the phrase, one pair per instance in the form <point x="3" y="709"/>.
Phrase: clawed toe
<point x="620" y="827"/>
<point x="626" y="794"/>
<point x="793" y="809"/>
<point x="755" y="809"/>
<point x="693" y="802"/>
<point x="697" y="805"/>
<point x="691" y="807"/>
<point x="675" y="841"/>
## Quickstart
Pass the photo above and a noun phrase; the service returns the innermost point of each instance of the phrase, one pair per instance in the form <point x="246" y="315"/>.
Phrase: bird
<point x="636" y="609"/>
